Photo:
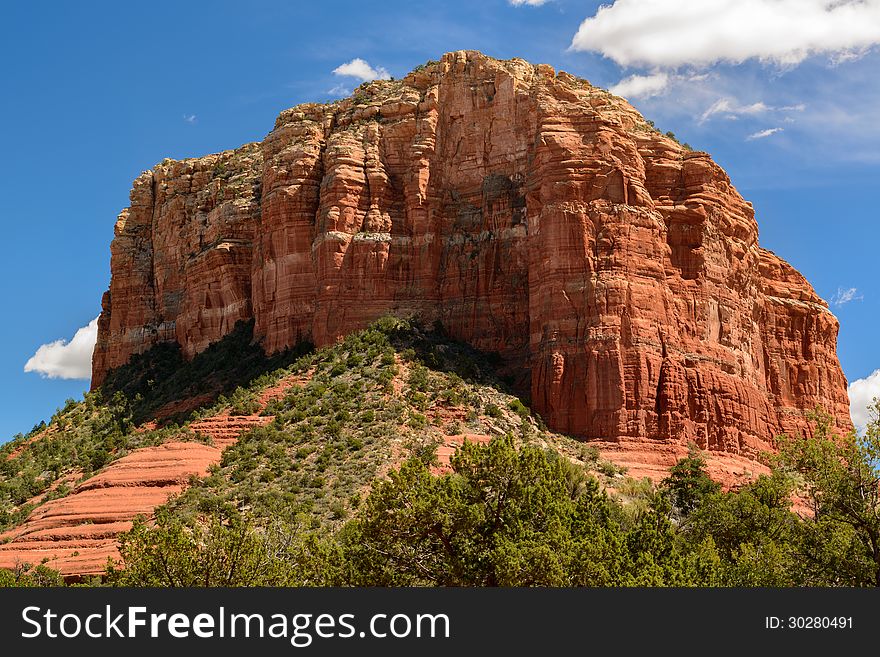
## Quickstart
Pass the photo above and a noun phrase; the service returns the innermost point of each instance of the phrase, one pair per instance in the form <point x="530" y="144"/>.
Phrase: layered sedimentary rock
<point x="181" y="256"/>
<point x="77" y="534"/>
<point x="615" y="271"/>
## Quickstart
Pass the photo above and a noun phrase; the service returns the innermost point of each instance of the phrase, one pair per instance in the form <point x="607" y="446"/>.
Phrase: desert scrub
<point x="327" y="440"/>
<point x="81" y="438"/>
<point x="378" y="396"/>
<point x="162" y="375"/>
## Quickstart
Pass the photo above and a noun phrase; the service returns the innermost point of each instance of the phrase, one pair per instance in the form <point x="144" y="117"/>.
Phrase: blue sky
<point x="783" y="93"/>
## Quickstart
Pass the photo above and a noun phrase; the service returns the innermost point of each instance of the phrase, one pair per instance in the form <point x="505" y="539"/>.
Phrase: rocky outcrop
<point x="181" y="257"/>
<point x="530" y="213"/>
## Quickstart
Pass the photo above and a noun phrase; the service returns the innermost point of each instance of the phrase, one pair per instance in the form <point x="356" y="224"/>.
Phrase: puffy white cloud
<point x="675" y="33"/>
<point x="845" y="295"/>
<point x="763" y="134"/>
<point x="862" y="393"/>
<point x="641" y="86"/>
<point x="531" y="3"/>
<point x="66" y="360"/>
<point x="359" y="68"/>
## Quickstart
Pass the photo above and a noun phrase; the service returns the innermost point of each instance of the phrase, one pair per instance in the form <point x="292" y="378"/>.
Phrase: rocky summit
<point x="616" y="272"/>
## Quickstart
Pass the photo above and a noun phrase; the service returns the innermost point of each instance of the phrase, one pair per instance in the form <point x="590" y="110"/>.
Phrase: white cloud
<point x="359" y="68"/>
<point x="531" y="3"/>
<point x="862" y="393"/>
<point x="66" y="360"/>
<point x="675" y="33"/>
<point x="641" y="86"/>
<point x="339" y="90"/>
<point x="762" y="134"/>
<point x="846" y="56"/>
<point x="189" y="118"/>
<point x="845" y="295"/>
<point x="732" y="109"/>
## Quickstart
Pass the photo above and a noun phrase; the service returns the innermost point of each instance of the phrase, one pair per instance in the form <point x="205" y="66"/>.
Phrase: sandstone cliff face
<point x="181" y="257"/>
<point x="529" y="212"/>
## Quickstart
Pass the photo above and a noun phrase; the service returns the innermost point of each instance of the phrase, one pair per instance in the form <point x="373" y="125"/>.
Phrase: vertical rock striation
<point x="532" y="214"/>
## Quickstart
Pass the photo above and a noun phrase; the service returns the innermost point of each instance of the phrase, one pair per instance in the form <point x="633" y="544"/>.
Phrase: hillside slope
<point x="305" y="440"/>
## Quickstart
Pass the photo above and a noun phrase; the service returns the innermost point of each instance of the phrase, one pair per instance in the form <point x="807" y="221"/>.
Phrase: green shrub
<point x="518" y="407"/>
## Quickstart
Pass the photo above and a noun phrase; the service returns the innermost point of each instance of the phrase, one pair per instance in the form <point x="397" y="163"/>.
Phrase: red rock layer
<point x="529" y="212"/>
<point x="652" y="460"/>
<point x="181" y="257"/>
<point x="78" y="533"/>
<point x="224" y="430"/>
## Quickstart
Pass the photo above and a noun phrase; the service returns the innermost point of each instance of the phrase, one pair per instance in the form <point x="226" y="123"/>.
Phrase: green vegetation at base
<point x="79" y="440"/>
<point x="342" y="488"/>
<point x="222" y="551"/>
<point x="507" y="517"/>
<point x="525" y="516"/>
<point x="381" y="395"/>
<point x="162" y="376"/>
<point x="26" y="577"/>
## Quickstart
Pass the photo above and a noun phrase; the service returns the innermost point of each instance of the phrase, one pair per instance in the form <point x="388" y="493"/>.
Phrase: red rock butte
<point x="529" y="212"/>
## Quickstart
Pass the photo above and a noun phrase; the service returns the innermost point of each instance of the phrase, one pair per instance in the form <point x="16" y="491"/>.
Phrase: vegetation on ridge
<point x="83" y="437"/>
<point x="379" y="396"/>
<point x="161" y="376"/>
<point x="79" y="440"/>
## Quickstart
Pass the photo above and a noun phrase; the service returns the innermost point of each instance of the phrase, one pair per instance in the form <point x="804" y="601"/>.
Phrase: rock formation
<point x="530" y="213"/>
